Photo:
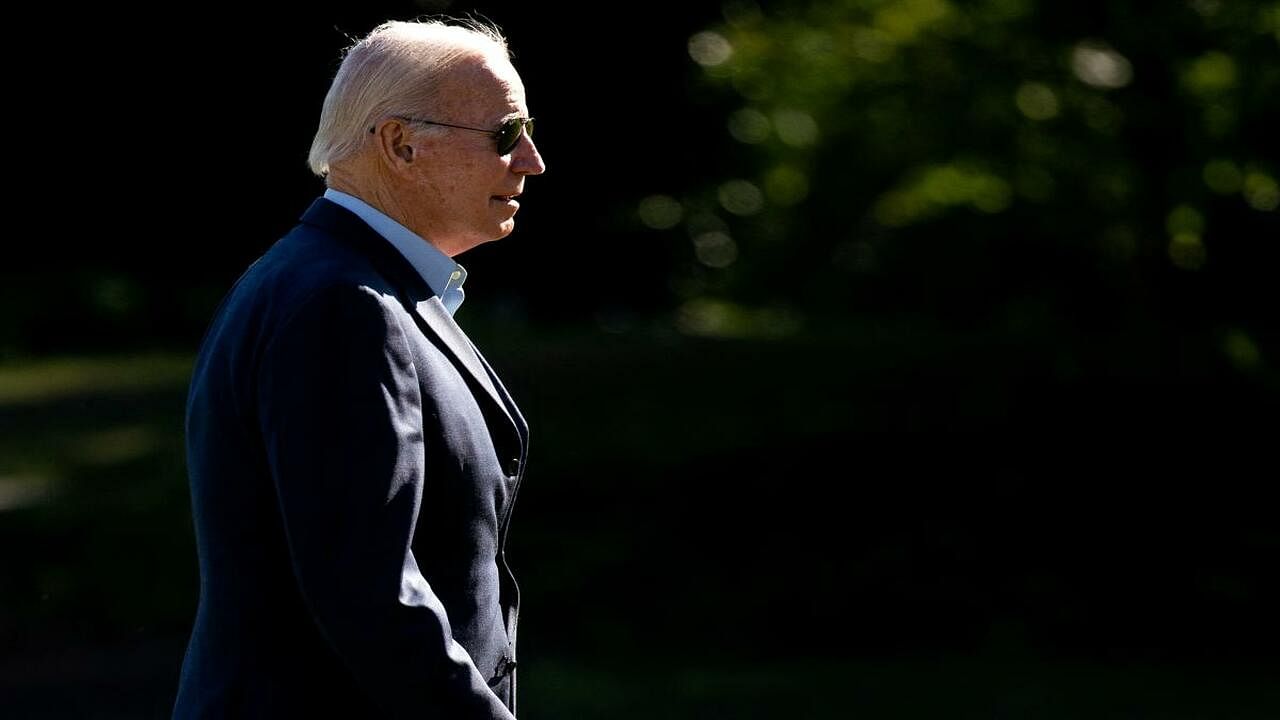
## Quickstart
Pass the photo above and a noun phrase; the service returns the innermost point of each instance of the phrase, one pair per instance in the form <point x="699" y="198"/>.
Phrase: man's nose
<point x="525" y="159"/>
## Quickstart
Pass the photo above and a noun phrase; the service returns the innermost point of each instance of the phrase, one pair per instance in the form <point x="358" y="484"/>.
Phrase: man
<point x="353" y="459"/>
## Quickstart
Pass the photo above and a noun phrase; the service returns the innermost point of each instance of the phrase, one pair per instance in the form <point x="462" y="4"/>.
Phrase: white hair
<point x="394" y="70"/>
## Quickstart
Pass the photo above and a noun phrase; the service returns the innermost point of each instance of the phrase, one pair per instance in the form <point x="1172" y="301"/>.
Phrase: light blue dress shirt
<point x="443" y="275"/>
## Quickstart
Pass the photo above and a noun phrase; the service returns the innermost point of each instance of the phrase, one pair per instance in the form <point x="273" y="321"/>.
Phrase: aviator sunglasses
<point x="506" y="137"/>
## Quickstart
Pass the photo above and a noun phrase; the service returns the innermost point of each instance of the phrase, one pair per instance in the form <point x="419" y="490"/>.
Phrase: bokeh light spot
<point x="1261" y="191"/>
<point x="1097" y="64"/>
<point x="749" y="126"/>
<point x="796" y="128"/>
<point x="786" y="185"/>
<point x="1037" y="101"/>
<point x="1187" y="251"/>
<point x="660" y="212"/>
<point x="1211" y="73"/>
<point x="1184" y="219"/>
<point x="741" y="197"/>
<point x="1242" y="350"/>
<point x="1223" y="177"/>
<point x="715" y="249"/>
<point x="709" y="49"/>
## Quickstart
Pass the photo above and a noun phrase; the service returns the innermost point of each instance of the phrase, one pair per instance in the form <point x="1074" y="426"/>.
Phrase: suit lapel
<point x="432" y="312"/>
<point x="521" y="426"/>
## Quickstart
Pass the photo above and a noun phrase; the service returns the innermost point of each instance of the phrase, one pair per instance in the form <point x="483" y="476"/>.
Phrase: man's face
<point x="465" y="193"/>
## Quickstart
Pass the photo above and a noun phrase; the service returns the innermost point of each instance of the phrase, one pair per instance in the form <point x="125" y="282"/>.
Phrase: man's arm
<point x="340" y="413"/>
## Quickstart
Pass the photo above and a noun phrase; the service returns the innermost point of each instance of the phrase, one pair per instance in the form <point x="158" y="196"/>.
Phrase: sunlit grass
<point x="45" y="380"/>
<point x="18" y="491"/>
<point x="65" y="416"/>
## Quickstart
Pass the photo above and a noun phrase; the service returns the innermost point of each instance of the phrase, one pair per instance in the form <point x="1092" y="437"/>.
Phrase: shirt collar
<point x="444" y="276"/>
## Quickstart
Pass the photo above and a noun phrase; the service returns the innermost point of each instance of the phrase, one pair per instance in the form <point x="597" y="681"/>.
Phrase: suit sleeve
<point x="340" y="413"/>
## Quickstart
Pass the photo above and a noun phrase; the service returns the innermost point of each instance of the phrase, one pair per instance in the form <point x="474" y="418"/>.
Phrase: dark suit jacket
<point x="353" y="462"/>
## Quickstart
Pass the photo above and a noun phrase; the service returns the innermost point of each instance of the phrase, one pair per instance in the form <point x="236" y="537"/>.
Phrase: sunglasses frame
<point x="524" y="126"/>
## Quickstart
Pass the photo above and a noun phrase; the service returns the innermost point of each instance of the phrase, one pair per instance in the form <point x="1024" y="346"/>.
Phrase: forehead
<point x="484" y="84"/>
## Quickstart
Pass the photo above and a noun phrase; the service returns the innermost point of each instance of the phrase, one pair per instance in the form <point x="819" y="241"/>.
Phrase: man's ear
<point x="393" y="143"/>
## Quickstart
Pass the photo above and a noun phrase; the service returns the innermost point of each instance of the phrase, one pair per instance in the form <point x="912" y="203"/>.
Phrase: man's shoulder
<point x="305" y="266"/>
<point x="308" y="260"/>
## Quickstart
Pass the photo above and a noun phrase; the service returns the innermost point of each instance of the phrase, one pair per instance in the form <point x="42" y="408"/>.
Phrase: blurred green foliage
<point x="973" y="160"/>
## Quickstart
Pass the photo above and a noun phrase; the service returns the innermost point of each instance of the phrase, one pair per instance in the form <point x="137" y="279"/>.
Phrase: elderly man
<point x="353" y="458"/>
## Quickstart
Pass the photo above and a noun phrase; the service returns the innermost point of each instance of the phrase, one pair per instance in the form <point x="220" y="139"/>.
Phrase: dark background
<point x="979" y="423"/>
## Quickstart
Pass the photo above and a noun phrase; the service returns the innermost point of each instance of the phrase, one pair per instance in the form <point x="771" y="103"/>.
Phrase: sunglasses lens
<point x="509" y="134"/>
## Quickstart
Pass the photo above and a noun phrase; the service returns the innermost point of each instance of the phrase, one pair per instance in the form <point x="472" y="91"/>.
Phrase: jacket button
<point x="513" y="467"/>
